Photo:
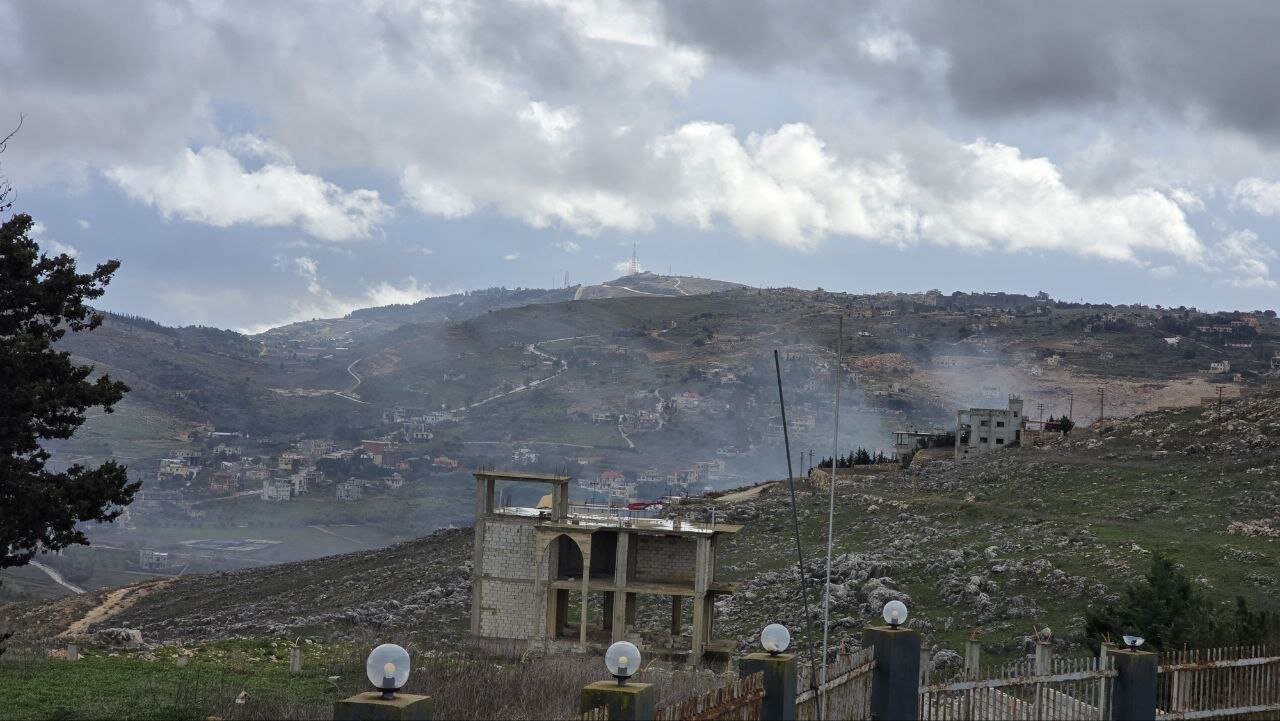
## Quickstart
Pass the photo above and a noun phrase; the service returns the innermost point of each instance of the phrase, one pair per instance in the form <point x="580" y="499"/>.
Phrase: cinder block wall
<point x="507" y="608"/>
<point x="665" y="559"/>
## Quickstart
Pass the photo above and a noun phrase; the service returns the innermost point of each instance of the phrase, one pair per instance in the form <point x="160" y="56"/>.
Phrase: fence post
<point x="895" y="682"/>
<point x="295" y="660"/>
<point x="1133" y="695"/>
<point x="632" y="702"/>
<point x="1044" y="655"/>
<point x="779" y="683"/>
<point x="972" y="658"/>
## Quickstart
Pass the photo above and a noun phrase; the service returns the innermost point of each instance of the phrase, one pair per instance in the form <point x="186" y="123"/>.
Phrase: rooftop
<point x="578" y="520"/>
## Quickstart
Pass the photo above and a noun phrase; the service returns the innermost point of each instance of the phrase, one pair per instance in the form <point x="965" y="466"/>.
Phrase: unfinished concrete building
<point x="537" y="573"/>
<point x="979" y="430"/>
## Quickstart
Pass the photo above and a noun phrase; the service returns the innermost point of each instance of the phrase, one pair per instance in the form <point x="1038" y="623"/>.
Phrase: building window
<point x="999" y="424"/>
<point x="984" y="423"/>
<point x="999" y="441"/>
<point x="983" y="439"/>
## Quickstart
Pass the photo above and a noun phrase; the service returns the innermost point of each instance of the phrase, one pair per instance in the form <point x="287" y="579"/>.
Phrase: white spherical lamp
<point x="622" y="659"/>
<point x="775" y="638"/>
<point x="895" y="613"/>
<point x="388" y="669"/>
<point x="1133" y="642"/>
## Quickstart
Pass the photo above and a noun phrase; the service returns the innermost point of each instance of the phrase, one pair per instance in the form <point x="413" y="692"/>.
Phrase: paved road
<point x="57" y="577"/>
<point x="347" y="393"/>
<point x="531" y="348"/>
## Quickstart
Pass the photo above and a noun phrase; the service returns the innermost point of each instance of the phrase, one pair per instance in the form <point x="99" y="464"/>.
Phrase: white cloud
<point x="321" y="302"/>
<point x="1244" y="259"/>
<point x="513" y="255"/>
<point x="48" y="245"/>
<point x="1260" y="196"/>
<point x="84" y="224"/>
<point x="568" y="246"/>
<point x="434" y="196"/>
<point x="212" y="187"/>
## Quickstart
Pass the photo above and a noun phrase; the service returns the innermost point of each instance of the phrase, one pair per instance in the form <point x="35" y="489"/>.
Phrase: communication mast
<point x="633" y="267"/>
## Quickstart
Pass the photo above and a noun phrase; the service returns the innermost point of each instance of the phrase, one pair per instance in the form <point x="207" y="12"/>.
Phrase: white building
<point x="979" y="430"/>
<point x="350" y="490"/>
<point x="277" y="490"/>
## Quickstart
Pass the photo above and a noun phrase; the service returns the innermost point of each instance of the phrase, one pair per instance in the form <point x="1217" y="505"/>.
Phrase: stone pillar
<point x="895" y="682"/>
<point x="1133" y="695"/>
<point x="73" y="652"/>
<point x="372" y="707"/>
<point x="779" y="683"/>
<point x="295" y="660"/>
<point x="631" y="702"/>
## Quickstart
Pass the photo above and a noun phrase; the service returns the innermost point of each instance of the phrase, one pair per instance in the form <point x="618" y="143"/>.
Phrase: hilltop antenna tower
<point x="633" y="267"/>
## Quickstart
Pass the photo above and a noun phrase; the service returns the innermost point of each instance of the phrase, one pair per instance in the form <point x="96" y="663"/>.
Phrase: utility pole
<point x="1040" y="407"/>
<point x="1102" y="400"/>
<point x="1071" y="405"/>
<point x="1219" y="405"/>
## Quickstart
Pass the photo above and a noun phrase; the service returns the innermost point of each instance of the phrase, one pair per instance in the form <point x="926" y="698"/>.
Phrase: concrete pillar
<point x="618" y="600"/>
<point x="73" y="652"/>
<point x="972" y="659"/>
<point x="677" y="616"/>
<point x="699" y="619"/>
<point x="295" y="660"/>
<point x="586" y="594"/>
<point x="701" y="580"/>
<point x="779" y="683"/>
<point x="372" y="707"/>
<point x="631" y="702"/>
<point x="895" y="681"/>
<point x="1133" y="695"/>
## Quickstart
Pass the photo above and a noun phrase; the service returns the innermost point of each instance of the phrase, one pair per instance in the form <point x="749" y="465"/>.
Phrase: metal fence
<point x="739" y="701"/>
<point x="1055" y="688"/>
<point x="847" y="690"/>
<point x="1217" y="682"/>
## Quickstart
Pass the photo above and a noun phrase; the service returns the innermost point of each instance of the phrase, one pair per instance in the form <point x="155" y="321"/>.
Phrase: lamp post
<point x="894" y="613"/>
<point x="625" y="700"/>
<point x="778" y="670"/>
<point x="387" y="669"/>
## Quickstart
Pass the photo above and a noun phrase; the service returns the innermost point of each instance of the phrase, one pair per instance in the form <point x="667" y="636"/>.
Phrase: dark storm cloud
<point x="1189" y="59"/>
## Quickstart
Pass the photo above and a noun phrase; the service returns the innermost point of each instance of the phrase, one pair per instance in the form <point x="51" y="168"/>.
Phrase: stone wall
<point x="507" y="609"/>
<point x="665" y="559"/>
<point x="509" y="550"/>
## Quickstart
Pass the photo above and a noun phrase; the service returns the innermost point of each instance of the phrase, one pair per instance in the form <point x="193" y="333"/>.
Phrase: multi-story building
<point x="979" y="430"/>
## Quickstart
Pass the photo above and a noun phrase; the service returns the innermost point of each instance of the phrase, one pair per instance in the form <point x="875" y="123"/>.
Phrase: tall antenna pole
<point x="831" y="517"/>
<point x="795" y="521"/>
<point x="1071" y="406"/>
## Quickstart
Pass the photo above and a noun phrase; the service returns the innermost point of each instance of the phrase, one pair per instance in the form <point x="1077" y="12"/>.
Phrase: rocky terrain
<point x="1014" y="540"/>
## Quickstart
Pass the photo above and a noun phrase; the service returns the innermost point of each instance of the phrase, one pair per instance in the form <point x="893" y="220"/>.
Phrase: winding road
<point x="347" y="393"/>
<point x="531" y="348"/>
<point x="57" y="577"/>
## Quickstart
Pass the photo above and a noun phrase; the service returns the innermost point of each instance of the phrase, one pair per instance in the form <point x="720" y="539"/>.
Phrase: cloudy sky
<point x="253" y="163"/>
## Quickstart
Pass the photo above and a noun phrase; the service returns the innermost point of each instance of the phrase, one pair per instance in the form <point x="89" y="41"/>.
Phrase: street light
<point x="775" y="638"/>
<point x="622" y="659"/>
<point x="895" y="613"/>
<point x="1133" y="642"/>
<point x="388" y="669"/>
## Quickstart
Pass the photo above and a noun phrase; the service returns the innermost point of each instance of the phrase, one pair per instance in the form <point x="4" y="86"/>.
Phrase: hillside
<point x="1000" y="542"/>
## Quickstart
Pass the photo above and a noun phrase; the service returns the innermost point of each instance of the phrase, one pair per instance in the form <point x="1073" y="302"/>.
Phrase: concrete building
<point x="979" y="430"/>
<point x="531" y="565"/>
<point x="350" y="490"/>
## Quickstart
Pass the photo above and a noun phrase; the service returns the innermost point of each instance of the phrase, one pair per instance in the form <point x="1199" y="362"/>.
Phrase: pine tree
<point x="43" y="395"/>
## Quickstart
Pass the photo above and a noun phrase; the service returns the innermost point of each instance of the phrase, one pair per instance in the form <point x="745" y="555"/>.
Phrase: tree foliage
<point x="1170" y="611"/>
<point x="44" y="395"/>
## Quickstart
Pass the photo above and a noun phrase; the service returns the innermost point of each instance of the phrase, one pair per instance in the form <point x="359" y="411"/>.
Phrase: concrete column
<point x="586" y="593"/>
<point x="371" y="707"/>
<point x="699" y="619"/>
<point x="779" y="683"/>
<point x="895" y="681"/>
<point x="73" y="652"/>
<point x="632" y="702"/>
<point x="701" y="580"/>
<point x="477" y="568"/>
<point x="295" y="660"/>
<point x="618" y="599"/>
<point x="1133" y="695"/>
<point x="677" y="616"/>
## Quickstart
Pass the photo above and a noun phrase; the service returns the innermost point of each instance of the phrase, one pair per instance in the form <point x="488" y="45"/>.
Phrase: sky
<point x="256" y="163"/>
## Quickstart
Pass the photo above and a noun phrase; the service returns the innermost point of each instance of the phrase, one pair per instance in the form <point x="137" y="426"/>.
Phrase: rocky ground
<point x="1005" y="543"/>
